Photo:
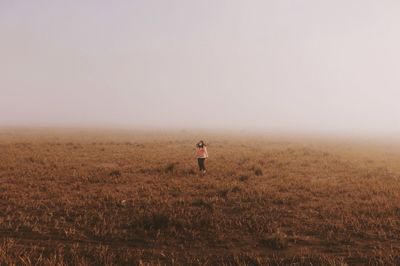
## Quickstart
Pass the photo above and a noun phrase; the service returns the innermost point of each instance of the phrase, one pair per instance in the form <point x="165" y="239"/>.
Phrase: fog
<point x="316" y="66"/>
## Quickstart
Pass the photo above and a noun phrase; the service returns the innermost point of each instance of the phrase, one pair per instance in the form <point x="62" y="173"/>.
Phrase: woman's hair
<point x="201" y="144"/>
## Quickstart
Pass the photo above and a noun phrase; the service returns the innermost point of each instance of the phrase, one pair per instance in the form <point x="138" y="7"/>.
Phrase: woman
<point x="201" y="154"/>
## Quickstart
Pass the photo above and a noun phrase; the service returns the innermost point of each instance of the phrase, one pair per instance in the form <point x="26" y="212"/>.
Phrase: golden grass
<point x="134" y="198"/>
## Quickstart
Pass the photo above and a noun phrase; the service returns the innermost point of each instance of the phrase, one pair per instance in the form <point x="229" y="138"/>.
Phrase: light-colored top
<point x="202" y="152"/>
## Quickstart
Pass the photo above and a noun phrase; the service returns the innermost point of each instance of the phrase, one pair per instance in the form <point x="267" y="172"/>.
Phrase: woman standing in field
<point x="201" y="154"/>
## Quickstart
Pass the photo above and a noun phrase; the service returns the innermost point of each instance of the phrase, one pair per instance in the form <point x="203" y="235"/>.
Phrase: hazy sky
<point x="316" y="65"/>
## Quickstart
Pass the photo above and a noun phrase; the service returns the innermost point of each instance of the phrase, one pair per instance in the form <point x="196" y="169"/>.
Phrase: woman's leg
<point x="201" y="164"/>
<point x="204" y="164"/>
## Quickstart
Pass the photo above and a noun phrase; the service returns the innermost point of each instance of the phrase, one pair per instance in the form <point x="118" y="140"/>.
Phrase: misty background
<point x="317" y="66"/>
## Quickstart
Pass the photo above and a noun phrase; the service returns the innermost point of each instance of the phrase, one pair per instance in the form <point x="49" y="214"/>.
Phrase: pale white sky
<point x="288" y="65"/>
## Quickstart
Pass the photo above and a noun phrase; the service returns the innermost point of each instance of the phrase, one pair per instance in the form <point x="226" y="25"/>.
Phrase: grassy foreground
<point x="134" y="198"/>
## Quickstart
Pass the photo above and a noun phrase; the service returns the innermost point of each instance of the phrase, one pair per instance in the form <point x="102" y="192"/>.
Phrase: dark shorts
<point x="201" y="162"/>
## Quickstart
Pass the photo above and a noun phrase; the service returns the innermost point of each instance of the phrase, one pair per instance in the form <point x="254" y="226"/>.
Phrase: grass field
<point x="86" y="197"/>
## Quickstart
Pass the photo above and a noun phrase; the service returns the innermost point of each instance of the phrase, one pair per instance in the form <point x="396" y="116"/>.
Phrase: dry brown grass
<point x="134" y="198"/>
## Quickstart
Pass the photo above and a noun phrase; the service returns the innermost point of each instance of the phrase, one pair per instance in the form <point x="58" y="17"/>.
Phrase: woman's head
<point x="201" y="144"/>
